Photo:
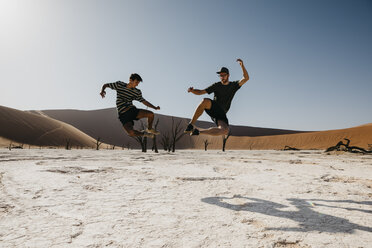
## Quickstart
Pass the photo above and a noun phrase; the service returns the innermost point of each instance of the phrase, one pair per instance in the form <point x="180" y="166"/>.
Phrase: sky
<point x="309" y="62"/>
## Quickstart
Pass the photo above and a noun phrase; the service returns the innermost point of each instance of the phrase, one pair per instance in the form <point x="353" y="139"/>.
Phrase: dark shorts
<point x="129" y="116"/>
<point x="217" y="113"/>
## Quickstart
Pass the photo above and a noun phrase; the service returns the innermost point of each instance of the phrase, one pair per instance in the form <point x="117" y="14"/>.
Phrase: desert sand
<point x="121" y="198"/>
<point x="360" y="136"/>
<point x="104" y="123"/>
<point x="37" y="129"/>
<point x="82" y="128"/>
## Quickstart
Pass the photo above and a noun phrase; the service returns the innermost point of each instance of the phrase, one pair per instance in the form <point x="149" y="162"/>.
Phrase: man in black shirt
<point x="128" y="113"/>
<point x="217" y="108"/>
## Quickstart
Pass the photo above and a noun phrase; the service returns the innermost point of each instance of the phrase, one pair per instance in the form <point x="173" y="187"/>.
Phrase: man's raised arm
<point x="245" y="73"/>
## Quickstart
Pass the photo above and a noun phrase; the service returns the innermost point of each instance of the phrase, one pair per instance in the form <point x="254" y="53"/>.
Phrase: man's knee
<point x="207" y="103"/>
<point x="147" y="113"/>
<point x="225" y="130"/>
<point x="206" y="100"/>
<point x="131" y="133"/>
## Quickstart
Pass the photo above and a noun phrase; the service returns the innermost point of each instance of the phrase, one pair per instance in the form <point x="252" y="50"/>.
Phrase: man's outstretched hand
<point x="190" y="89"/>
<point x="103" y="93"/>
<point x="157" y="108"/>
<point x="240" y="62"/>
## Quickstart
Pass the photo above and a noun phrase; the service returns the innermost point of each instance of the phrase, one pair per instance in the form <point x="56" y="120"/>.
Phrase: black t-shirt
<point x="223" y="94"/>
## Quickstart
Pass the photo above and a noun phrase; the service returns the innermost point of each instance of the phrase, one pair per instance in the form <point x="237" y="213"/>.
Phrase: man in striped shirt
<point x="126" y="93"/>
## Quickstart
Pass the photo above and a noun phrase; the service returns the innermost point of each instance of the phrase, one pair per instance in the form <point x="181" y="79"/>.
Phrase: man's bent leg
<point x="205" y="104"/>
<point x="142" y="113"/>
<point x="222" y="129"/>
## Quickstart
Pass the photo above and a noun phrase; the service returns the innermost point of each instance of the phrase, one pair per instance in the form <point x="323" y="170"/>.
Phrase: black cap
<point x="223" y="69"/>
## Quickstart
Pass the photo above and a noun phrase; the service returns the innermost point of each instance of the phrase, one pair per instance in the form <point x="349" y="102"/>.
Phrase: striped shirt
<point x="125" y="96"/>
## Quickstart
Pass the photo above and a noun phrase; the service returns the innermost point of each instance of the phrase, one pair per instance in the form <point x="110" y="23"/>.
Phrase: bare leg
<point x="146" y="114"/>
<point x="222" y="129"/>
<point x="131" y="132"/>
<point x="205" y="104"/>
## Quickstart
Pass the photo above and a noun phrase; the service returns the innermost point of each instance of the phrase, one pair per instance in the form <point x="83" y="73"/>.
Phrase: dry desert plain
<point x="191" y="198"/>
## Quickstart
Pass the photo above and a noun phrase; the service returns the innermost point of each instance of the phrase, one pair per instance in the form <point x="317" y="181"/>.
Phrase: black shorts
<point x="129" y="116"/>
<point x="217" y="113"/>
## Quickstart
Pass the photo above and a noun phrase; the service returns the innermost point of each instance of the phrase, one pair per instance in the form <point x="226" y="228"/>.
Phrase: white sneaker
<point x="148" y="135"/>
<point x="153" y="131"/>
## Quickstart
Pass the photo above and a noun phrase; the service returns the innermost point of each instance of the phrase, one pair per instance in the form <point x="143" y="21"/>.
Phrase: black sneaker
<point x="195" y="132"/>
<point x="189" y="128"/>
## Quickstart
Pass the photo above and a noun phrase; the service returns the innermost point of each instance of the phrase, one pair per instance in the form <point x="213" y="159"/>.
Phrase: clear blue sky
<point x="310" y="62"/>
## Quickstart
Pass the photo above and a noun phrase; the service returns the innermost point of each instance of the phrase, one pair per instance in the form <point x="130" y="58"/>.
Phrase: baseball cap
<point x="224" y="70"/>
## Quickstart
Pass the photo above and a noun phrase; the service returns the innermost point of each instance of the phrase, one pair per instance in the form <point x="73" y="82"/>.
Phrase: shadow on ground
<point x="308" y="219"/>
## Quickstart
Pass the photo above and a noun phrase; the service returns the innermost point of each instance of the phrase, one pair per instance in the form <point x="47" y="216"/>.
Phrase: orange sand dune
<point x="360" y="136"/>
<point x="35" y="129"/>
<point x="105" y="124"/>
<point x="49" y="128"/>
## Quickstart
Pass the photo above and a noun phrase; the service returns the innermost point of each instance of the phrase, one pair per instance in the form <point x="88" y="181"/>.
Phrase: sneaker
<point x="148" y="135"/>
<point x="153" y="131"/>
<point x="195" y="132"/>
<point x="189" y="128"/>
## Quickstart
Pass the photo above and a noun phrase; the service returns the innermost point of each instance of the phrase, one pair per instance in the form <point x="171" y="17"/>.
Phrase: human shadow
<point x="344" y="201"/>
<point x="305" y="215"/>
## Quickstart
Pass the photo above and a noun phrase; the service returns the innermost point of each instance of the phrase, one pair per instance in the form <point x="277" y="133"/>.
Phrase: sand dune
<point x="5" y="142"/>
<point x="360" y="136"/>
<point x="49" y="128"/>
<point x="35" y="129"/>
<point x="104" y="123"/>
